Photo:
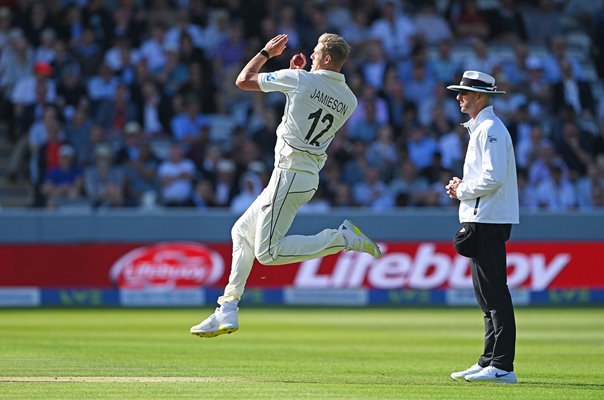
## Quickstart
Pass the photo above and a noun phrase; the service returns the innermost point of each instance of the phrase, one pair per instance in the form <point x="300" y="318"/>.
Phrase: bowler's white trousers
<point x="260" y="231"/>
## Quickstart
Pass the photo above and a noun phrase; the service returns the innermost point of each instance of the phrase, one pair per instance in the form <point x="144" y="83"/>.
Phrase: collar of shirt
<point x="330" y="74"/>
<point x="482" y="115"/>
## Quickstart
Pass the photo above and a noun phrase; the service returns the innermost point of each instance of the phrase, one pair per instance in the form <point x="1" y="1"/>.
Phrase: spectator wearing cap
<point x="114" y="114"/>
<point x="141" y="174"/>
<point x="176" y="175"/>
<point x="132" y="143"/>
<point x="24" y="92"/>
<point x="225" y="183"/>
<point x="63" y="182"/>
<point x="250" y="187"/>
<point x="104" y="182"/>
<point x="537" y="90"/>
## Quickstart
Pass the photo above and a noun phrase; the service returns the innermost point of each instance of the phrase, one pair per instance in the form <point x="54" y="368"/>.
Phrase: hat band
<point x="477" y="84"/>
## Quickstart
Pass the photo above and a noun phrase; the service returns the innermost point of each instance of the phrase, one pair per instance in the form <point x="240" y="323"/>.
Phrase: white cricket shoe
<point x="458" y="376"/>
<point x="492" y="374"/>
<point x="356" y="240"/>
<point x="219" y="323"/>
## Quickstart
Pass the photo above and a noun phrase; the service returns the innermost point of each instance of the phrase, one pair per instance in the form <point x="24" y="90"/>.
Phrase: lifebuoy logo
<point x="425" y="269"/>
<point x="168" y="265"/>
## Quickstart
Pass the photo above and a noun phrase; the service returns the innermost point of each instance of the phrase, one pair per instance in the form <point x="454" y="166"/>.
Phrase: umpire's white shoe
<point x="459" y="376"/>
<point x="492" y="374"/>
<point x="356" y="240"/>
<point x="219" y="323"/>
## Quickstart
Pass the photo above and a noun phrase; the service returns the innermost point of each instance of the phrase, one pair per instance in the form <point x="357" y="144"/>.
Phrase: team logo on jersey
<point x="492" y="139"/>
<point x="271" y="77"/>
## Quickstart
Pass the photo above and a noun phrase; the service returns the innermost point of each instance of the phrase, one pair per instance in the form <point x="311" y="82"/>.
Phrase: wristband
<point x="265" y="54"/>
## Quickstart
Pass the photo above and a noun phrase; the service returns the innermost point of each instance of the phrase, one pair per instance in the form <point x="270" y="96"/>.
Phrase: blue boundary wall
<point x="30" y="227"/>
<point x="215" y="226"/>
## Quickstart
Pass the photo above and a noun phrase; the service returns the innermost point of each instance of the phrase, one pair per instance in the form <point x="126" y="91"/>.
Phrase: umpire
<point x="488" y="195"/>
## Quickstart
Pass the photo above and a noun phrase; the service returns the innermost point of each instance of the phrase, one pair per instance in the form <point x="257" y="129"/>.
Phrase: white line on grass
<point x="118" y="379"/>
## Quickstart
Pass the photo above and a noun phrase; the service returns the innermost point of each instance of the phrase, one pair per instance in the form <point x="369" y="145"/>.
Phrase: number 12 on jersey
<point x="326" y="120"/>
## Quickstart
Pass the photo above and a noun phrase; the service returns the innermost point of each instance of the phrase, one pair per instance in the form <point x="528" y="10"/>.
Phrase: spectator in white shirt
<point x="395" y="30"/>
<point x="176" y="178"/>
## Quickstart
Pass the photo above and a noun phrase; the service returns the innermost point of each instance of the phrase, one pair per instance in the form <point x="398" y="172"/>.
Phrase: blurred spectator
<point x="507" y="106"/>
<point x="152" y="49"/>
<point x="395" y="30"/>
<point x="589" y="189"/>
<point x="372" y="191"/>
<point x="188" y="126"/>
<point x="45" y="149"/>
<point x="155" y="111"/>
<point x="365" y="128"/>
<point x="570" y="90"/>
<point x="440" y="105"/>
<point x="383" y="153"/>
<point x="183" y="24"/>
<point x="70" y="90"/>
<point x="516" y="70"/>
<point x="356" y="31"/>
<point x="471" y="22"/>
<point x="527" y="193"/>
<point x="508" y="25"/>
<point x="544" y="21"/>
<point x="104" y="183"/>
<point x="24" y="92"/>
<point x="176" y="175"/>
<point x="203" y="196"/>
<point x="88" y="53"/>
<point x="556" y="192"/>
<point x="528" y="148"/>
<point x="400" y="110"/>
<point x="452" y="147"/>
<point x="408" y="187"/>
<point x="78" y="131"/>
<point x="175" y="72"/>
<point x="5" y="27"/>
<point x="122" y="60"/>
<point x="444" y="66"/>
<point x="102" y="88"/>
<point x="63" y="182"/>
<point x="539" y="170"/>
<point x="250" y="187"/>
<point x="375" y="67"/>
<point x="229" y="52"/>
<point x="574" y="147"/>
<point x="536" y="89"/>
<point x="99" y="20"/>
<point x="113" y="115"/>
<point x="72" y="27"/>
<point x="421" y="147"/>
<point x="45" y="52"/>
<point x="225" y="183"/>
<point x="481" y="59"/>
<point x="431" y="27"/>
<point x="553" y="61"/>
<point x="140" y="177"/>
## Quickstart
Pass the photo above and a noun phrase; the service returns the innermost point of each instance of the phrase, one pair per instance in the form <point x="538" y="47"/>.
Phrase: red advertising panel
<point x="420" y="265"/>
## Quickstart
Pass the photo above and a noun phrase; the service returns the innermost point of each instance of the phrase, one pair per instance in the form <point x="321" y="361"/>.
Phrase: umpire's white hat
<point x="475" y="81"/>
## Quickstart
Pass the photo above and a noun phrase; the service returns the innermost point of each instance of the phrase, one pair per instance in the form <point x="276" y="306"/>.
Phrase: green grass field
<point x="288" y="353"/>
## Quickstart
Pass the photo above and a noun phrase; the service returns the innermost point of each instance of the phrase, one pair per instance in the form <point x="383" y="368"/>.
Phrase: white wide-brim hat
<point x="474" y="81"/>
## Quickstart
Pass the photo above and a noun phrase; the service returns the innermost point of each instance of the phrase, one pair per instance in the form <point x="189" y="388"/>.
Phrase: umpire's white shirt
<point x="489" y="173"/>
<point x="317" y="105"/>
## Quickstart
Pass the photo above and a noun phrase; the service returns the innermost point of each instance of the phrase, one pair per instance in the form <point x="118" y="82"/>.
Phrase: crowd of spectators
<point x="132" y="103"/>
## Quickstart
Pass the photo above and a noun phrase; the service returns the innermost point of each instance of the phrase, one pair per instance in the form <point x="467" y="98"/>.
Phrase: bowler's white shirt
<point x="489" y="173"/>
<point x="317" y="104"/>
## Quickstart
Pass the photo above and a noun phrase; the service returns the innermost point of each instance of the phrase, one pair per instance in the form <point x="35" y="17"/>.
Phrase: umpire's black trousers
<point x="490" y="286"/>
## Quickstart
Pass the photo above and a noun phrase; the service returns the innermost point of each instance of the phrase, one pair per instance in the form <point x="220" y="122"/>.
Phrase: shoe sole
<point x="215" y="333"/>
<point x="494" y="380"/>
<point x="359" y="232"/>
